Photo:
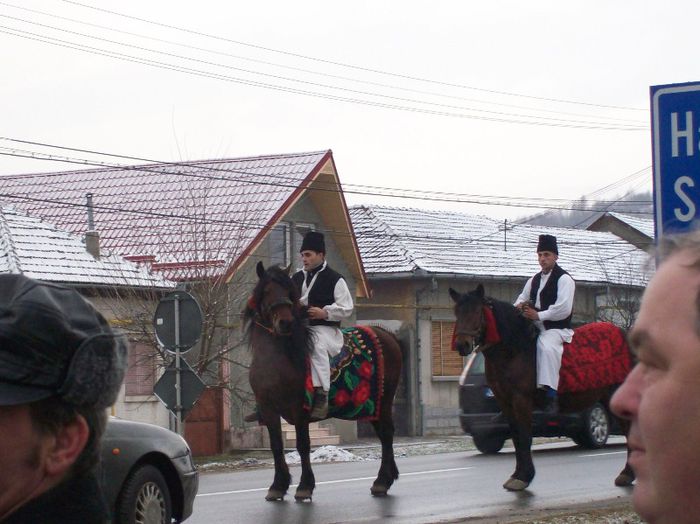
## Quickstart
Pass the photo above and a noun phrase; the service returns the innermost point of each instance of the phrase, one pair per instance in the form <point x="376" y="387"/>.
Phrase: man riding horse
<point x="548" y="300"/>
<point x="328" y="299"/>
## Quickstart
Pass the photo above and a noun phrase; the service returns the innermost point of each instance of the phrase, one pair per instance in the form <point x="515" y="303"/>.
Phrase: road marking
<point x="339" y="481"/>
<point x="604" y="453"/>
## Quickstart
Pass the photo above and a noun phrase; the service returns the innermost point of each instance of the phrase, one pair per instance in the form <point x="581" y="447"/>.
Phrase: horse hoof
<point x="513" y="484"/>
<point x="378" y="490"/>
<point x="274" y="494"/>
<point x="303" y="495"/>
<point x="624" y="480"/>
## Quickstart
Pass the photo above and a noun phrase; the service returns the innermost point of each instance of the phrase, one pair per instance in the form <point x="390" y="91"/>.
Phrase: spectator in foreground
<point x="661" y="396"/>
<point x="61" y="366"/>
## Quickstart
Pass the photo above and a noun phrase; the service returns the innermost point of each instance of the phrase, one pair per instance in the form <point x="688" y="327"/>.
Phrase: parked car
<point x="147" y="473"/>
<point x="478" y="415"/>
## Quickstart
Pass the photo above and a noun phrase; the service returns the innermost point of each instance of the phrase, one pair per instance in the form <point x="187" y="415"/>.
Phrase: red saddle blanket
<point x="598" y="356"/>
<point x="357" y="377"/>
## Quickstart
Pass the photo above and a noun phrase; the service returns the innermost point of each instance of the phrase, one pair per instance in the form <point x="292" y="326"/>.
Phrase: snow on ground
<point x="325" y="454"/>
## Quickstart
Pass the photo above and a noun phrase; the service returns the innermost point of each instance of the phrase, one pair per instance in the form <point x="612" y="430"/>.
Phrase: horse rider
<point x="548" y="300"/>
<point x="326" y="294"/>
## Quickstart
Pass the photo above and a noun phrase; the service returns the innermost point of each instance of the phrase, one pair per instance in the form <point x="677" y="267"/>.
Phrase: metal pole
<point x="178" y="392"/>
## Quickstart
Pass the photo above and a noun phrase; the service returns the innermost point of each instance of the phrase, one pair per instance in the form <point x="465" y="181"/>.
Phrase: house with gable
<point x="413" y="256"/>
<point x="636" y="229"/>
<point x="38" y="249"/>
<point x="205" y="225"/>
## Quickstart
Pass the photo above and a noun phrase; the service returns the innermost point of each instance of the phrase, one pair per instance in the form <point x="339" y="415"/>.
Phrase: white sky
<point x="605" y="52"/>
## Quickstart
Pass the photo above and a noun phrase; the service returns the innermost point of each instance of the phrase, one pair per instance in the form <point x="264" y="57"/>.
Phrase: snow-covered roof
<point x="203" y="214"/>
<point x="641" y="224"/>
<point x="40" y="250"/>
<point x="400" y="240"/>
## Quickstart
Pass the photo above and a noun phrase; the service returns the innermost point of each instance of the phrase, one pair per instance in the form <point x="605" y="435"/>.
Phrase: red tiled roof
<point x="186" y="215"/>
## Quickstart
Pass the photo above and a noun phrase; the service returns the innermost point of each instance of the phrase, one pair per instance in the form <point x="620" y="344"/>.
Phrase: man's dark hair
<point x="50" y="415"/>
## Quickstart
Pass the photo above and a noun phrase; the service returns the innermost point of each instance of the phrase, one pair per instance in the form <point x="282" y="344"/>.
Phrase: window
<point x="141" y="371"/>
<point x="445" y="361"/>
<point x="280" y="250"/>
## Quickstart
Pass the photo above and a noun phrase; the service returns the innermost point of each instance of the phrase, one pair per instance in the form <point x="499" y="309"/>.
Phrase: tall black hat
<point x="547" y="243"/>
<point x="313" y="241"/>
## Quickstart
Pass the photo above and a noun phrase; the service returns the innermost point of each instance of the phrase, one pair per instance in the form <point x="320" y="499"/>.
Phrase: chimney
<point x="92" y="237"/>
<point x="92" y="243"/>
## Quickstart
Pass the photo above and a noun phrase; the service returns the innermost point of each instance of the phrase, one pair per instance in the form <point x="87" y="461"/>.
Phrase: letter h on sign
<point x="674" y="110"/>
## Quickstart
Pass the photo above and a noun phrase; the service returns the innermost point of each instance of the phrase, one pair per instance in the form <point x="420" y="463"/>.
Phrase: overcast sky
<point x="457" y="97"/>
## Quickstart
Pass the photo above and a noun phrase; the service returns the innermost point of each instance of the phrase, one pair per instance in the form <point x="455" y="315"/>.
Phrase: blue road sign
<point x="675" y="125"/>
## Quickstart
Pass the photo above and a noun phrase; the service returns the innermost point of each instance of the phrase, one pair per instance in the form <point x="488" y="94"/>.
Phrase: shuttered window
<point x="445" y="362"/>
<point x="141" y="373"/>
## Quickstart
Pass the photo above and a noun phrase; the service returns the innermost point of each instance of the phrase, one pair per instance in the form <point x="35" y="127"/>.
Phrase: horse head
<point x="469" y="315"/>
<point x="274" y="304"/>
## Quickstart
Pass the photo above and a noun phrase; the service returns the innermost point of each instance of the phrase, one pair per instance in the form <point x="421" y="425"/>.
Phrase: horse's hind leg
<point x="626" y="476"/>
<point x="306" y="486"/>
<point x="280" y="485"/>
<point x="388" y="471"/>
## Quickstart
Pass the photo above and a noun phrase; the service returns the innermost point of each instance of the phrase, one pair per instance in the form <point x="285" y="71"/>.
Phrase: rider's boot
<point x="319" y="410"/>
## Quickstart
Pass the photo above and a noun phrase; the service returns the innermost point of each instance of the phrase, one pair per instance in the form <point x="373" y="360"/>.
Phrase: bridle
<point x="476" y="334"/>
<point x="265" y="320"/>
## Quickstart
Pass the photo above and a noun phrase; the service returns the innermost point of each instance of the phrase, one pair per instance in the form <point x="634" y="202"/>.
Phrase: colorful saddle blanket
<point x="357" y="377"/>
<point x="598" y="356"/>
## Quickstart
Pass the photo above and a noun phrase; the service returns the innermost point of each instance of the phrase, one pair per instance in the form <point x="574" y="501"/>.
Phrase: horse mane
<point x="298" y="344"/>
<point x="516" y="331"/>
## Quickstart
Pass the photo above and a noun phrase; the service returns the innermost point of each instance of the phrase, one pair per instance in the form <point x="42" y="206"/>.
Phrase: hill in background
<point x="581" y="213"/>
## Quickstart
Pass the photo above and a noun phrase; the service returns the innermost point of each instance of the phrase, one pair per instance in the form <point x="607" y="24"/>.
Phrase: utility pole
<point x="505" y="228"/>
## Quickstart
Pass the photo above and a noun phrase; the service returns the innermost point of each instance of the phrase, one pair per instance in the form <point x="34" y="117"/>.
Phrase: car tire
<point x="488" y="443"/>
<point x="596" y="428"/>
<point x="144" y="498"/>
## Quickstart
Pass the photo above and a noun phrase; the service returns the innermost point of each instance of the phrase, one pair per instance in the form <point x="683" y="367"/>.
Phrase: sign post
<point x="178" y="325"/>
<point x="675" y="117"/>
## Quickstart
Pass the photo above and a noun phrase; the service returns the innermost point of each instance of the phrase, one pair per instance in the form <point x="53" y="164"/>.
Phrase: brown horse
<point x="280" y="342"/>
<point x="509" y="353"/>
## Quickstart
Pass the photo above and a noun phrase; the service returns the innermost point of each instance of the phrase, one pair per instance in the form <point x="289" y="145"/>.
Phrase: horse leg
<point x="626" y="476"/>
<point x="388" y="471"/>
<point x="307" y="483"/>
<point x="280" y="485"/>
<point x="520" y="423"/>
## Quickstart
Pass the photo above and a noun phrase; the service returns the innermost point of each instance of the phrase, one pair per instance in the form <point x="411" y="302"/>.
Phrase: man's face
<point x="547" y="259"/>
<point x="661" y="396"/>
<point x="22" y="450"/>
<point x="311" y="259"/>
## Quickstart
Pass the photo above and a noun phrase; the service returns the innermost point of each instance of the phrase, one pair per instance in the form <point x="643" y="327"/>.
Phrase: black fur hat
<point x="548" y="243"/>
<point x="313" y="241"/>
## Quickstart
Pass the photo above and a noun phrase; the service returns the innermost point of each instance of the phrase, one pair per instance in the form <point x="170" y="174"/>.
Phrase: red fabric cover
<point x="491" y="335"/>
<point x="598" y="356"/>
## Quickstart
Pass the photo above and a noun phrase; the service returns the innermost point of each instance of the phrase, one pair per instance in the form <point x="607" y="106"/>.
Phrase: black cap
<point x="313" y="241"/>
<point x="53" y="342"/>
<point x="548" y="243"/>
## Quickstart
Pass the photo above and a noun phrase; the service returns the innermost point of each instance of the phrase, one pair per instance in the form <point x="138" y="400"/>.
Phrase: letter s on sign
<point x="678" y="187"/>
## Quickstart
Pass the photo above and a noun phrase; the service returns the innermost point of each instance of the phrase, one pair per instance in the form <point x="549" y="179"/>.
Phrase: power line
<point x="162" y="168"/>
<point x="341" y="64"/>
<point x="284" y="66"/>
<point x="544" y="121"/>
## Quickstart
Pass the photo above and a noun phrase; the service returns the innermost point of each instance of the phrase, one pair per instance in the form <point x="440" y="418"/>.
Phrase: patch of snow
<point x="325" y="454"/>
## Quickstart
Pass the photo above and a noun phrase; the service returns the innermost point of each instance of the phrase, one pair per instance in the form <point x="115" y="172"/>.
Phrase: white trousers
<point x="550" y="348"/>
<point x="327" y="341"/>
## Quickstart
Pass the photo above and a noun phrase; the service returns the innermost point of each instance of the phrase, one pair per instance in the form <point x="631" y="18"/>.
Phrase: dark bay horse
<point x="509" y="350"/>
<point x="280" y="341"/>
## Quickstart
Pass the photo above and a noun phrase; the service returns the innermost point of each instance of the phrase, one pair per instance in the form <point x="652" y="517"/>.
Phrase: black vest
<point x="321" y="293"/>
<point x="548" y="296"/>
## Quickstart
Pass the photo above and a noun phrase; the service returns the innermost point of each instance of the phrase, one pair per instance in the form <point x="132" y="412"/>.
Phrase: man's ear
<point x="66" y="446"/>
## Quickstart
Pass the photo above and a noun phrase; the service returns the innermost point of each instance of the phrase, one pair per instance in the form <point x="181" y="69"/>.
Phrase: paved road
<point x="432" y="488"/>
